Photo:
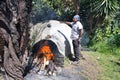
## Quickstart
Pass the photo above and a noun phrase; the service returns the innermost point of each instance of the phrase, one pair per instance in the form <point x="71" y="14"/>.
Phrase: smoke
<point x="42" y="12"/>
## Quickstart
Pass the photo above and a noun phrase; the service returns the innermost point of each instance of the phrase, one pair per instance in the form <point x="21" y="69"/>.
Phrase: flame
<point x="46" y="51"/>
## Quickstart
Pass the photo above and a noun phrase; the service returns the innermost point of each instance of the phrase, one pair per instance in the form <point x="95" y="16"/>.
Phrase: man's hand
<point x="62" y="21"/>
<point x="67" y="22"/>
<point x="79" y="40"/>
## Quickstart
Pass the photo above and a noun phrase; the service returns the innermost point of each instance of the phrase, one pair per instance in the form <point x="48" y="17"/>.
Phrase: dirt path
<point x="90" y="66"/>
<point x="87" y="69"/>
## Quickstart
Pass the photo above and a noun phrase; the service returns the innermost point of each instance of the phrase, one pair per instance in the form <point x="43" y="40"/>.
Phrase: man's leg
<point x="76" y="49"/>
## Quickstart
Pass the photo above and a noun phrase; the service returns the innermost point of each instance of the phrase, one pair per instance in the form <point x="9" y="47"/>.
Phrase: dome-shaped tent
<point x="57" y="33"/>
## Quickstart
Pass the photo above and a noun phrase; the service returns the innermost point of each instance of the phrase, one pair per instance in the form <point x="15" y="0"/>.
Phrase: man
<point x="76" y="34"/>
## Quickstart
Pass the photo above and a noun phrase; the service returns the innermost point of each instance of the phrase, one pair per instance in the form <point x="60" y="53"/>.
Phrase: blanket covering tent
<point x="58" y="36"/>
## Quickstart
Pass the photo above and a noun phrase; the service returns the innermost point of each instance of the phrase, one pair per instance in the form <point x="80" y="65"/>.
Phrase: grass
<point x="110" y="65"/>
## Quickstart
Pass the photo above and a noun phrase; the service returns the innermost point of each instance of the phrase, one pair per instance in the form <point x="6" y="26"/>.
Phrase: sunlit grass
<point x="110" y="66"/>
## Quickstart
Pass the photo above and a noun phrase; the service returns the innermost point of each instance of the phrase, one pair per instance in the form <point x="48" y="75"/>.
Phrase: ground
<point x="90" y="68"/>
<point x="87" y="69"/>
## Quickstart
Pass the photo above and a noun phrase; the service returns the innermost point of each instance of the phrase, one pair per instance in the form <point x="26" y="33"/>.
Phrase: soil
<point x="87" y="69"/>
<point x="90" y="66"/>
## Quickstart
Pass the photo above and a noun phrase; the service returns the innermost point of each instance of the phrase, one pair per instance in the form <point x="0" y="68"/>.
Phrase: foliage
<point x="98" y="12"/>
<point x="106" y="30"/>
<point x="107" y="40"/>
<point x="100" y="47"/>
<point x="42" y="10"/>
<point x="114" y="41"/>
<point x="107" y="35"/>
<point x="51" y="9"/>
<point x="64" y="10"/>
<point x="106" y="7"/>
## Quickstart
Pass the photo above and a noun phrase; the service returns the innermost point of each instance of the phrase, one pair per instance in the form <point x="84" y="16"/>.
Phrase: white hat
<point x="77" y="17"/>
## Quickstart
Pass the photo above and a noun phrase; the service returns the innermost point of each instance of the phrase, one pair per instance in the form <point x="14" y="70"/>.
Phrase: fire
<point x="45" y="59"/>
<point x="46" y="52"/>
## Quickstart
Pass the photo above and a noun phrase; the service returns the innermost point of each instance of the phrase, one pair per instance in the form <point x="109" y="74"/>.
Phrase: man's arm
<point x="66" y="22"/>
<point x="69" y="23"/>
<point x="80" y="33"/>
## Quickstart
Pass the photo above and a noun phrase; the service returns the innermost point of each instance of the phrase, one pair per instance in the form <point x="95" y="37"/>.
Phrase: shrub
<point x="108" y="45"/>
<point x="114" y="41"/>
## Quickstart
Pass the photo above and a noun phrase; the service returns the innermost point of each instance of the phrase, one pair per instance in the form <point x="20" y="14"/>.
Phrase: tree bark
<point x="14" y="28"/>
<point x="76" y="6"/>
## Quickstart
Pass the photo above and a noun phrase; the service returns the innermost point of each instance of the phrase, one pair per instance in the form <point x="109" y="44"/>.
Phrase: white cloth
<point x="75" y="30"/>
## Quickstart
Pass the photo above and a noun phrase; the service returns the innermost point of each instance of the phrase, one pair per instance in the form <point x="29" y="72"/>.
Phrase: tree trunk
<point x="76" y="6"/>
<point x="14" y="28"/>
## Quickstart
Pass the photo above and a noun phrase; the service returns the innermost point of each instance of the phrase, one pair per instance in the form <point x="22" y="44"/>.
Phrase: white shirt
<point x="75" y="30"/>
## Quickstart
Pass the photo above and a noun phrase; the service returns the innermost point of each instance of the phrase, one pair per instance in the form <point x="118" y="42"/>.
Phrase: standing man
<point x="76" y="34"/>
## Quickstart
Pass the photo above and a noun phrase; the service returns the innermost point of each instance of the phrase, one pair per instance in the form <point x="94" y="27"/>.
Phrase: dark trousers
<point x="77" y="51"/>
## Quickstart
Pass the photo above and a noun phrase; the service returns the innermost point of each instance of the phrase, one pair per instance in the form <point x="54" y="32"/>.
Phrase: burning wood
<point x="46" y="51"/>
<point x="45" y="59"/>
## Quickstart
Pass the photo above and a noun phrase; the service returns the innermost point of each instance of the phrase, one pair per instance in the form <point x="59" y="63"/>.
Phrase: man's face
<point x="74" y="20"/>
